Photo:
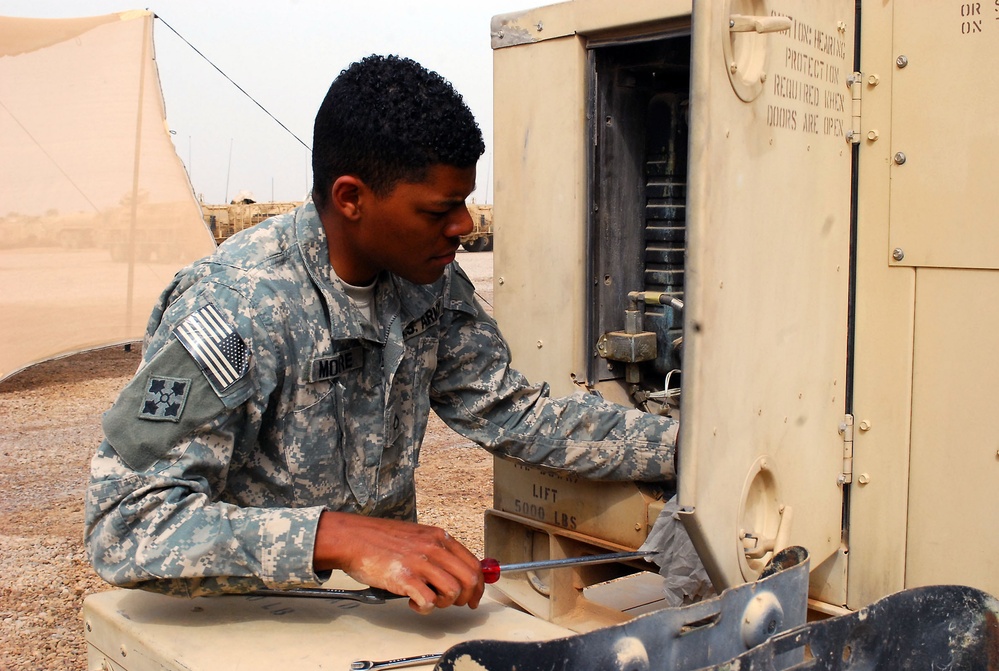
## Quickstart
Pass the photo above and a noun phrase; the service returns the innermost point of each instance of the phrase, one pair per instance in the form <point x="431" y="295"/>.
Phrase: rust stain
<point x="992" y="640"/>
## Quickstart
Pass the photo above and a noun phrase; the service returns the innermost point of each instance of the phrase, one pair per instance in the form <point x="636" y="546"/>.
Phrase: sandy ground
<point x="49" y="428"/>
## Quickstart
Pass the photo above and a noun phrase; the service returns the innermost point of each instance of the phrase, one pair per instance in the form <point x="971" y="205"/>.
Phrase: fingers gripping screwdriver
<point x="491" y="569"/>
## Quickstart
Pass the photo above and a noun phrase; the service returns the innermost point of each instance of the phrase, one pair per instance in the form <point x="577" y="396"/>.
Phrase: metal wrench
<point x="364" y="665"/>
<point x="370" y="595"/>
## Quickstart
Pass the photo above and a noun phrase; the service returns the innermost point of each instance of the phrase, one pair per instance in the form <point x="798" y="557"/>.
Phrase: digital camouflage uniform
<point x="265" y="397"/>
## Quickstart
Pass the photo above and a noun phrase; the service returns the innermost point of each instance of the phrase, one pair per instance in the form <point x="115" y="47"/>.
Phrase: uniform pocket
<point x="313" y="446"/>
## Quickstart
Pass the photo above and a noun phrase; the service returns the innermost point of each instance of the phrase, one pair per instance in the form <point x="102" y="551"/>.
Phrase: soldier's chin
<point x="425" y="275"/>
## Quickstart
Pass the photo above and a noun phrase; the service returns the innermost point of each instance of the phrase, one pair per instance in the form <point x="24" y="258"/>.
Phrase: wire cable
<point x="208" y="60"/>
<point x="51" y="159"/>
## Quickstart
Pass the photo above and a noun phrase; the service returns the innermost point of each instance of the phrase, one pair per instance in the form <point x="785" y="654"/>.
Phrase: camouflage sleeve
<point x="477" y="393"/>
<point x="163" y="529"/>
<point x="156" y="513"/>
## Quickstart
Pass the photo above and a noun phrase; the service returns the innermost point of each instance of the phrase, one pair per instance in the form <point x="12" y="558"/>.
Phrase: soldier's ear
<point x="348" y="196"/>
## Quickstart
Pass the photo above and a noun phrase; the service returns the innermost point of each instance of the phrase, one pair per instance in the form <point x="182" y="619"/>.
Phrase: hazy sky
<point x="285" y="53"/>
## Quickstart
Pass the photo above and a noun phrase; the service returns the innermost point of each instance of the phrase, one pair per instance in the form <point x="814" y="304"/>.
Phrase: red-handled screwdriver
<point x="491" y="568"/>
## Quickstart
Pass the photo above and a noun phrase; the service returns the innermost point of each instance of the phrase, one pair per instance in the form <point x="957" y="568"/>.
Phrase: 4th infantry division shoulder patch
<point x="165" y="398"/>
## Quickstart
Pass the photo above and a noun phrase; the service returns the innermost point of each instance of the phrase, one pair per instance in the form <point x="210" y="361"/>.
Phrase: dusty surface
<point x="49" y="428"/>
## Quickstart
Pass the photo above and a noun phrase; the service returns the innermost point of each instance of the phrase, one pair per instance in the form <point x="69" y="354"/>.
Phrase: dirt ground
<point x="49" y="429"/>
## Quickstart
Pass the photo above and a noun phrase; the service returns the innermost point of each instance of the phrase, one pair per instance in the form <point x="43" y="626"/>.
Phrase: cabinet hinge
<point x="846" y="430"/>
<point x="856" y="89"/>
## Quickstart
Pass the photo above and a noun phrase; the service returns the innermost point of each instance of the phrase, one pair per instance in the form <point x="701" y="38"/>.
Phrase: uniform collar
<point x="396" y="300"/>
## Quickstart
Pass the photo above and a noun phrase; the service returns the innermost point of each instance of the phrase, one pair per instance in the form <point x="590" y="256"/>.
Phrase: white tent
<point x="96" y="209"/>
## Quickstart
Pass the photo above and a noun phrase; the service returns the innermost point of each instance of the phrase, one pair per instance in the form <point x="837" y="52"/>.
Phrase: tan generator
<point x="775" y="196"/>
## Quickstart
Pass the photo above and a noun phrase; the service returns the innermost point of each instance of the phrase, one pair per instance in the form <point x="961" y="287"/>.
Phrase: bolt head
<point x="898" y="254"/>
<point x="901" y="61"/>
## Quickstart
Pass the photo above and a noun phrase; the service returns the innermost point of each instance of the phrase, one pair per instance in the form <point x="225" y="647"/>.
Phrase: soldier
<point x="271" y="433"/>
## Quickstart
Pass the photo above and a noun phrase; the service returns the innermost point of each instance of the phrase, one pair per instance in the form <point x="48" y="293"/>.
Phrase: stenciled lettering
<point x="544" y="493"/>
<point x="782" y="117"/>
<point x="807" y="88"/>
<point x="792" y="89"/>
<point x="540" y="512"/>
<point x="810" y="124"/>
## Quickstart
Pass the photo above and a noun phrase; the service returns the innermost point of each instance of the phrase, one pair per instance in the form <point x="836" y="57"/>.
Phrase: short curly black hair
<point x="386" y="119"/>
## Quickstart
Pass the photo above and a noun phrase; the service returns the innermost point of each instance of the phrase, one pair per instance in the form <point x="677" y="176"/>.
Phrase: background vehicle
<point x="224" y="220"/>
<point x="834" y="253"/>
<point x="481" y="237"/>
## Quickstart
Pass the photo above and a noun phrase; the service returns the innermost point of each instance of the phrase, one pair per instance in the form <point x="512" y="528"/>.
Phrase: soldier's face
<point x="414" y="230"/>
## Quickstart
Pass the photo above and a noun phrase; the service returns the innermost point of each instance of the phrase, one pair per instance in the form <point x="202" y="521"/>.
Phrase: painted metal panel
<point x="539" y="207"/>
<point x="591" y="18"/>
<point x="885" y="300"/>
<point x="944" y="134"/>
<point x="767" y="283"/>
<point x="954" y="460"/>
<point x="142" y="631"/>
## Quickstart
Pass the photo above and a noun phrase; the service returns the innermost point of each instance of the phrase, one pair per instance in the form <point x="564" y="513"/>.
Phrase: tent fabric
<point x="96" y="210"/>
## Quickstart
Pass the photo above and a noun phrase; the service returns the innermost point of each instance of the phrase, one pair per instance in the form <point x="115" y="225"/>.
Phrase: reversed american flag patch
<point x="220" y="352"/>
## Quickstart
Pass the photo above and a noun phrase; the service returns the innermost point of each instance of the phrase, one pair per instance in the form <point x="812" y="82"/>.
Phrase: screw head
<point x="898" y="254"/>
<point x="899" y="158"/>
<point x="901" y="61"/>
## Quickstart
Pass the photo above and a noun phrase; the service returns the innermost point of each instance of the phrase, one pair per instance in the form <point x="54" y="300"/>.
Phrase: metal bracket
<point x="846" y="429"/>
<point x="938" y="627"/>
<point x="942" y="626"/>
<point x="855" y="81"/>
<point x="681" y="639"/>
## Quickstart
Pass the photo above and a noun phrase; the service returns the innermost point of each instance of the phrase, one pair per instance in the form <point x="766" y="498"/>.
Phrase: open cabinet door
<point x="768" y="274"/>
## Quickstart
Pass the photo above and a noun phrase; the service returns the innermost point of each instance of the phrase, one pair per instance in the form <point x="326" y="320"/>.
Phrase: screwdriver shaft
<point x="572" y="561"/>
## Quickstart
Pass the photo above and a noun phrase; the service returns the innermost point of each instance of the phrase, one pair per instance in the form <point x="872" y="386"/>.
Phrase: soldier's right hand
<point x="422" y="562"/>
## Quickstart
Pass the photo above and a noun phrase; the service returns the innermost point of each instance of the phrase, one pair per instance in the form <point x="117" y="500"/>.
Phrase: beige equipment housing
<point x="722" y="191"/>
<point x="827" y="223"/>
